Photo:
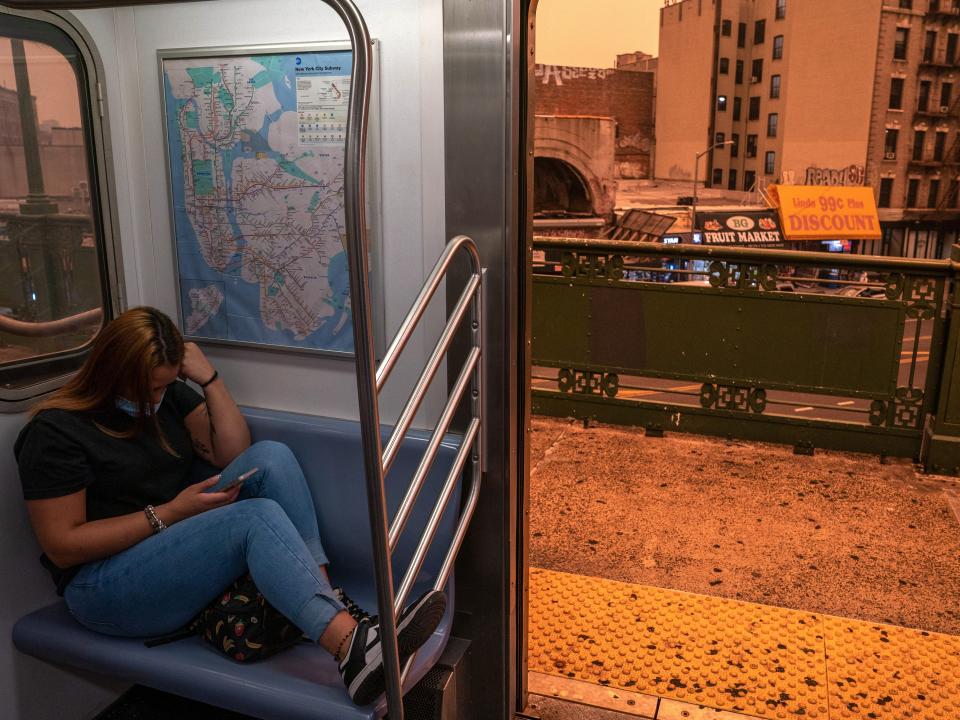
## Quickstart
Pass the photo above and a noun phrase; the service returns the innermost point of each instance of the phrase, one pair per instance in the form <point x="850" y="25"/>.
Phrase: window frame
<point x="753" y="108"/>
<point x="913" y="193"/>
<point x="919" y="143"/>
<point x="885" y="192"/>
<point x="781" y="10"/>
<point x="726" y="28"/>
<point x="721" y="103"/>
<point x="775" y="95"/>
<point x="896" y="82"/>
<point x="900" y="48"/>
<point x="773" y="123"/>
<point x="737" y="108"/>
<point x="723" y="66"/>
<point x="104" y="219"/>
<point x="752" y="145"/>
<point x="777" y="52"/>
<point x="770" y="162"/>
<point x="759" y="31"/>
<point x="756" y="71"/>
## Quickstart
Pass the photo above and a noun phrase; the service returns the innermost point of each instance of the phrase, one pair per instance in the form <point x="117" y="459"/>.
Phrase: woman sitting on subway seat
<point x="137" y="549"/>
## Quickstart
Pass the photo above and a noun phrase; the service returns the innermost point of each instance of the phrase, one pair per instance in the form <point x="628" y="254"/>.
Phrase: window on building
<point x="735" y="146"/>
<point x="933" y="194"/>
<point x="781" y="9"/>
<point x="952" y="193"/>
<point x="900" y="43"/>
<point x="51" y="236"/>
<point x="756" y="71"/>
<point x="732" y="179"/>
<point x="934" y="5"/>
<point x="737" y="104"/>
<point x="951" y="48"/>
<point x="722" y="103"/>
<point x="886" y="192"/>
<point x="774" y="86"/>
<point x="939" y="144"/>
<point x="759" y="31"/>
<point x="749" y="180"/>
<point x="919" y="137"/>
<point x="724" y="68"/>
<point x="717" y="177"/>
<point x="719" y="139"/>
<point x="896" y="94"/>
<point x="913" y="189"/>
<point x="772" y="120"/>
<point x="726" y="28"/>
<point x="738" y="78"/>
<point x="906" y="4"/>
<point x="777" y="47"/>
<point x="890" y="144"/>
<point x="754" y="111"/>
<point x="946" y="95"/>
<point x="751" y="146"/>
<point x="769" y="162"/>
<point x="929" y="45"/>
<point x="923" y="96"/>
<point x="741" y="35"/>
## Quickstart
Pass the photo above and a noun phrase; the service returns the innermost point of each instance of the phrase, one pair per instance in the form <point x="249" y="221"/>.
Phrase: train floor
<point x="691" y="577"/>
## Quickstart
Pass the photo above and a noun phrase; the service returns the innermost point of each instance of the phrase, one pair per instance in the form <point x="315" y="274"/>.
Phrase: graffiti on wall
<point x="559" y="73"/>
<point x="852" y="175"/>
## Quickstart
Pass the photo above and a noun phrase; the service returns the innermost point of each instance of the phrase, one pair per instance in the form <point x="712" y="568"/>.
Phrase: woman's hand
<point x="194" y="499"/>
<point x="195" y="365"/>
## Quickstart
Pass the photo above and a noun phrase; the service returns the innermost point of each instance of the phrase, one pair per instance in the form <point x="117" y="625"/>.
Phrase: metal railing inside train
<point x="813" y="349"/>
<point x="370" y="380"/>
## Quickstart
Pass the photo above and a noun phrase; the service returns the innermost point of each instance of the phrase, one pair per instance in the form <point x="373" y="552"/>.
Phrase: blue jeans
<point x="161" y="583"/>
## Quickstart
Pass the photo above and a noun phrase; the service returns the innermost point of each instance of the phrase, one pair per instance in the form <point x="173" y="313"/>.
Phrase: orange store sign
<point x="810" y="212"/>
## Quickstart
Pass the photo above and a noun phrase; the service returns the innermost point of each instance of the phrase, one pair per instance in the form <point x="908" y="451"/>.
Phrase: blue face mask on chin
<point x="130" y="407"/>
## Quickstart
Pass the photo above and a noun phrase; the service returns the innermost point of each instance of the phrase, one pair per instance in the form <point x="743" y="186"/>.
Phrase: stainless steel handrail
<point x="354" y="170"/>
<point x="419" y="306"/>
<point x="426" y="377"/>
<point x="459" y="387"/>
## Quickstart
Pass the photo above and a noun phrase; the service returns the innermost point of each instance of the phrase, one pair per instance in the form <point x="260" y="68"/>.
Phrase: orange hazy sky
<point x="590" y="34"/>
<point x="52" y="82"/>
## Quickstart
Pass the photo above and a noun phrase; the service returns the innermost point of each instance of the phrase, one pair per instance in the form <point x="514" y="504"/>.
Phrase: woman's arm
<point x="217" y="427"/>
<point x="67" y="538"/>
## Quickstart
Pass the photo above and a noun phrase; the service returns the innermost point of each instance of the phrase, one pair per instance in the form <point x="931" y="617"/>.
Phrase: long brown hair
<point x="120" y="363"/>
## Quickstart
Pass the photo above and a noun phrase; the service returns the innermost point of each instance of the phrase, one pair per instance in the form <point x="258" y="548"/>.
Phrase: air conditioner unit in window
<point x="890" y="156"/>
<point x="754" y="79"/>
<point x="944" y="108"/>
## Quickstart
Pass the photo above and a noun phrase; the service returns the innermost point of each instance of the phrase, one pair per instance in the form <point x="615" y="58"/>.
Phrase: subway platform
<point x="693" y="577"/>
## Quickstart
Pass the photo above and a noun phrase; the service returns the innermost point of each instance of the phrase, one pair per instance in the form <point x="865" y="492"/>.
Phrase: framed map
<point x="255" y="141"/>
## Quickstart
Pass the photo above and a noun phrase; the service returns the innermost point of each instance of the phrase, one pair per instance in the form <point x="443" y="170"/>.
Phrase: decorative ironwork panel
<point x="733" y="397"/>
<point x="586" y="382"/>
<point x="592" y="266"/>
<point x="743" y="276"/>
<point x="921" y="295"/>
<point x="903" y="410"/>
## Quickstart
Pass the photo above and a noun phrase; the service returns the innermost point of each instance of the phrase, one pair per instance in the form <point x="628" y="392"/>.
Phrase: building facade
<point x="859" y="92"/>
<point x="626" y="95"/>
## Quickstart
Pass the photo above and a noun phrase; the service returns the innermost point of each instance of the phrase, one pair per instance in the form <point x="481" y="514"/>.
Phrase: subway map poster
<point x="255" y="146"/>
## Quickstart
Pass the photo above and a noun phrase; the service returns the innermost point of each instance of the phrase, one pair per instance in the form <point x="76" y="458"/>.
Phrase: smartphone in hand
<point x="237" y="481"/>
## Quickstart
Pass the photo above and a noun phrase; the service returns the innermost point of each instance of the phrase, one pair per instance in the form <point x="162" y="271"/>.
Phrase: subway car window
<point x="52" y="285"/>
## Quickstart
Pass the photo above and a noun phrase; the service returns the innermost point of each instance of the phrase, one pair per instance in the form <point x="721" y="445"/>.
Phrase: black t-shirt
<point x="61" y="452"/>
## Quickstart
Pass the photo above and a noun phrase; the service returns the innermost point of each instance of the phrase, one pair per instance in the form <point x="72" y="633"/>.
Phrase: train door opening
<point x="695" y="547"/>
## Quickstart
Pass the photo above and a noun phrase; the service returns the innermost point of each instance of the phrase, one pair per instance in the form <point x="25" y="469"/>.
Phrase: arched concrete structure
<point x="587" y="144"/>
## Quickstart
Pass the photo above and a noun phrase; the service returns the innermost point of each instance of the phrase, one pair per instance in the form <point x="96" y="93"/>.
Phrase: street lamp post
<point x="696" y="171"/>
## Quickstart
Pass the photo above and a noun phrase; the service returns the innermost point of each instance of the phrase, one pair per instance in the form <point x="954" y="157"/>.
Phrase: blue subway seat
<point x="302" y="683"/>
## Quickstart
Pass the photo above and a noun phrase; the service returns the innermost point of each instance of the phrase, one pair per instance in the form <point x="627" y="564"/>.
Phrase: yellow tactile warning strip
<point x="758" y="660"/>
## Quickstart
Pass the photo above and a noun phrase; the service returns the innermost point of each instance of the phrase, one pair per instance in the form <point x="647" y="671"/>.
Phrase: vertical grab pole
<point x="354" y="168"/>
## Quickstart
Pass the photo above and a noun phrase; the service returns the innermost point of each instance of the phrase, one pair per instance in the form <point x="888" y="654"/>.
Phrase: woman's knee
<point x="268" y="454"/>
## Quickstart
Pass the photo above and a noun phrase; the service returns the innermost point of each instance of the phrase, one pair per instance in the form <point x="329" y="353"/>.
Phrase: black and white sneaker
<point x="362" y="665"/>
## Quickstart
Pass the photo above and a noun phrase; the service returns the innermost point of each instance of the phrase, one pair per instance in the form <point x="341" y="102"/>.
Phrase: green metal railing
<point x="813" y="349"/>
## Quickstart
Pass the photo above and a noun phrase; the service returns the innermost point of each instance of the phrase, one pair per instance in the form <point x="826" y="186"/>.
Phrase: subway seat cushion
<point x="302" y="682"/>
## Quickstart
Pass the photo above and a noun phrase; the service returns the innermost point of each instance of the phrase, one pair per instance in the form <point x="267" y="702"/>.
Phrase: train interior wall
<point x="411" y="219"/>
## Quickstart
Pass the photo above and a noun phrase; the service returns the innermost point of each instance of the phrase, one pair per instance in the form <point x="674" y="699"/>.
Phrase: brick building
<point x="594" y="130"/>
<point x="859" y="92"/>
